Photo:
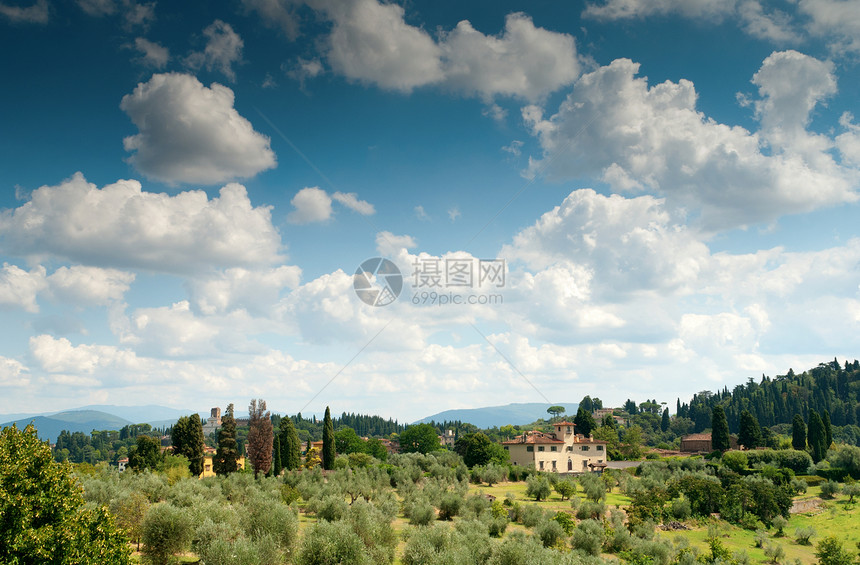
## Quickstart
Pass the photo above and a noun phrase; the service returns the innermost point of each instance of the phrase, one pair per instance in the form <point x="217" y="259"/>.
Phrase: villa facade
<point x="562" y="451"/>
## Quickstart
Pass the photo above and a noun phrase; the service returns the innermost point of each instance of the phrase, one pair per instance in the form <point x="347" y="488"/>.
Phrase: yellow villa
<point x="562" y="451"/>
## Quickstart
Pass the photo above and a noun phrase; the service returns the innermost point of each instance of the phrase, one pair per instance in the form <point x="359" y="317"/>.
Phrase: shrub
<point x="550" y="532"/>
<point x="735" y="460"/>
<point x="681" y="509"/>
<point x="538" y="487"/>
<point x="851" y="490"/>
<point x="167" y="530"/>
<point x="588" y="537"/>
<point x="830" y="552"/>
<point x="812" y="480"/>
<point x="589" y="509"/>
<point x="804" y="535"/>
<point x="532" y="515"/>
<point x="497" y="526"/>
<point x="774" y="552"/>
<point x="566" y="488"/>
<point x="331" y="508"/>
<point x="331" y="542"/>
<point x="450" y="505"/>
<point x="566" y="522"/>
<point x="829" y="489"/>
<point x="422" y="513"/>
<point x="593" y="487"/>
<point x="779" y="524"/>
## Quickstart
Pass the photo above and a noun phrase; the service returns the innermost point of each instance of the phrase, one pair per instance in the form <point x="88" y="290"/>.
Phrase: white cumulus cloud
<point x="123" y="226"/>
<point x="614" y="126"/>
<point x="311" y="204"/>
<point x="190" y="133"/>
<point x="19" y="288"/>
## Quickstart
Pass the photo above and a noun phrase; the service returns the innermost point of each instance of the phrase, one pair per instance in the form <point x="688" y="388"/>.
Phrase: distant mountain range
<point x="487" y="417"/>
<point x="94" y="417"/>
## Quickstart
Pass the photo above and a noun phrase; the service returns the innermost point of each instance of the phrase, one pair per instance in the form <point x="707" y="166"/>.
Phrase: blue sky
<point x="186" y="190"/>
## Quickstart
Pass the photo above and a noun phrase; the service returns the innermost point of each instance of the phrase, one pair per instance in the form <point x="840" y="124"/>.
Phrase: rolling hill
<point x="487" y="417"/>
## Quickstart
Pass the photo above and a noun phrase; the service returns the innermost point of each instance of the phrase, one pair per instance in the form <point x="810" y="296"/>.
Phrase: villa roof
<point x="565" y="423"/>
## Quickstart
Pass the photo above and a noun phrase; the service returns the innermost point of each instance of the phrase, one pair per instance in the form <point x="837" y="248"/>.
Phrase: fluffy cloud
<point x="13" y="373"/>
<point x="635" y="136"/>
<point x="80" y="285"/>
<point x="791" y="84"/>
<point x="192" y="134"/>
<point x="152" y="54"/>
<point x="122" y="226"/>
<point x="624" y="245"/>
<point x="849" y="142"/>
<point x="19" y="288"/>
<point x="371" y="42"/>
<point x="35" y="14"/>
<point x="524" y="62"/>
<point x="253" y="290"/>
<point x="223" y="50"/>
<point x="834" y="20"/>
<point x="312" y="204"/>
<point x="351" y="201"/>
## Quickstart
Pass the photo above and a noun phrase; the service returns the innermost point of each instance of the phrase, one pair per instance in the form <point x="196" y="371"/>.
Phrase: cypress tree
<point x="328" y="453"/>
<point x="815" y="436"/>
<point x="828" y="430"/>
<point x="584" y="422"/>
<point x="664" y="423"/>
<point x="227" y="455"/>
<point x="276" y="456"/>
<point x="719" y="430"/>
<point x="798" y="433"/>
<point x="187" y="439"/>
<point x="291" y="447"/>
<point x="749" y="432"/>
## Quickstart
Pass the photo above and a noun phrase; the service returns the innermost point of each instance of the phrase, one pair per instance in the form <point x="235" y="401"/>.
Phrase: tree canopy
<point x="42" y="514"/>
<point x="260" y="437"/>
<point x="420" y="438"/>
<point x="720" y="430"/>
<point x="329" y="450"/>
<point x="187" y="439"/>
<point x="227" y="455"/>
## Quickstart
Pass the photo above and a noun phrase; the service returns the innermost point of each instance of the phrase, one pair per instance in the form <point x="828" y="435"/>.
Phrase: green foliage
<point x="816" y="436"/>
<point x="227" y="456"/>
<point x="422" y="513"/>
<point x="631" y="443"/>
<point x="187" y="440"/>
<point x="846" y="457"/>
<point x="42" y="513"/>
<point x="329" y="543"/>
<point x="735" y="460"/>
<point x="478" y="449"/>
<point x="566" y="521"/>
<point x="774" y="553"/>
<point x="328" y="447"/>
<point x="146" y="454"/>
<point x="798" y="433"/>
<point x="450" y="505"/>
<point x="804" y="535"/>
<point x="829" y="489"/>
<point x="588" y="537"/>
<point x="584" y="422"/>
<point x="167" y="530"/>
<point x="719" y="430"/>
<point x="565" y="488"/>
<point x="538" y="486"/>
<point x="851" y="490"/>
<point x="749" y="432"/>
<point x="779" y="524"/>
<point x="830" y="552"/>
<point x="550" y="532"/>
<point x="420" y="438"/>
<point x="291" y="447"/>
<point x="346" y="441"/>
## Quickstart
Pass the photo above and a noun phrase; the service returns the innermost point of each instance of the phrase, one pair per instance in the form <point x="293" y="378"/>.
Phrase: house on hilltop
<point x="562" y="451"/>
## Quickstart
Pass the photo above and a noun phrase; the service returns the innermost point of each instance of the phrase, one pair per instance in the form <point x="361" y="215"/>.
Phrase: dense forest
<point x="830" y="387"/>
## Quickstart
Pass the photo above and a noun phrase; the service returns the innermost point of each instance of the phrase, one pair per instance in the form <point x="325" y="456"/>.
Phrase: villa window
<point x="506" y="448"/>
<point x="568" y="429"/>
<point x="530" y="448"/>
<point x="553" y="465"/>
<point x="540" y="448"/>
<point x="541" y="465"/>
<point x="584" y="448"/>
<point x="552" y="448"/>
<point x="599" y="448"/>
<point x="570" y="448"/>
